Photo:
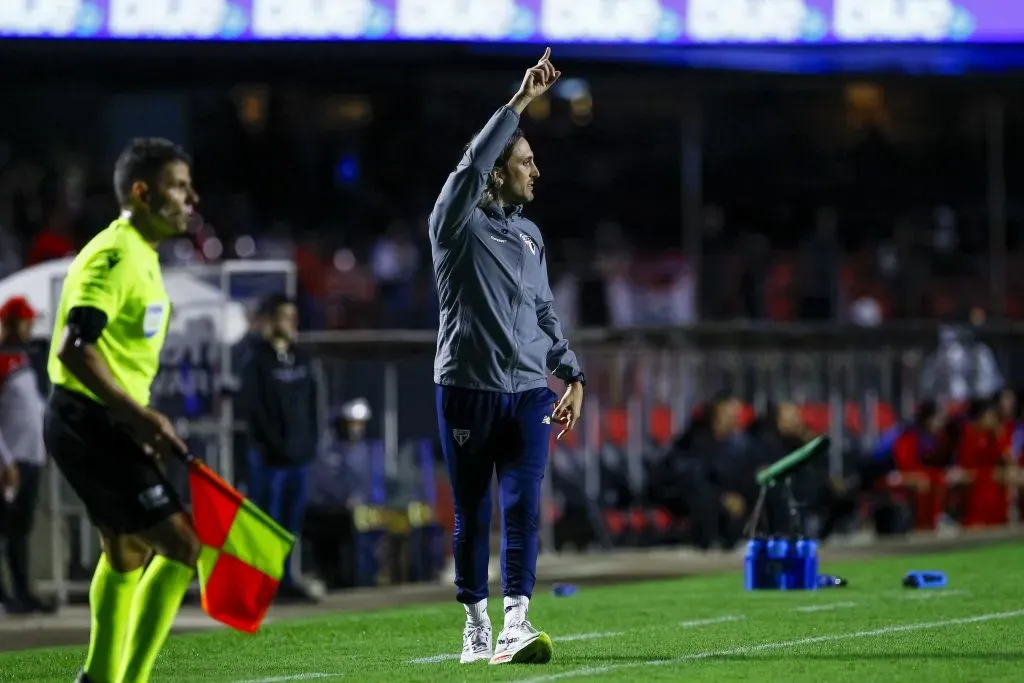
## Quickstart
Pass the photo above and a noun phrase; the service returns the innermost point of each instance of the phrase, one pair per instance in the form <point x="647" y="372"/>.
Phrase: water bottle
<point x="778" y="549"/>
<point x="806" y="565"/>
<point x="753" y="564"/>
<point x="814" y="564"/>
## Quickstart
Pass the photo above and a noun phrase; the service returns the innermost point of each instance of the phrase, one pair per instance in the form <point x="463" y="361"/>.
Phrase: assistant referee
<point x="109" y="330"/>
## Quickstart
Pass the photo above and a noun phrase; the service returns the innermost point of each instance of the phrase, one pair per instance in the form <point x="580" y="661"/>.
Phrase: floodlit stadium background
<point x="786" y="200"/>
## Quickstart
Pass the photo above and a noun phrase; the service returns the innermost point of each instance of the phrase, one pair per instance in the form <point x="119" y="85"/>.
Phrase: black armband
<point x="85" y="324"/>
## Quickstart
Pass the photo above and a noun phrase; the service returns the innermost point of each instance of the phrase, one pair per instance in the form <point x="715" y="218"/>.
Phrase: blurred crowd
<point x="951" y="465"/>
<point x="860" y="203"/>
<point x="956" y="463"/>
<point x="381" y="278"/>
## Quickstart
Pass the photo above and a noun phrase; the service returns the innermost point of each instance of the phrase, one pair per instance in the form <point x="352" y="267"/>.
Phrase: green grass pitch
<point x="695" y="630"/>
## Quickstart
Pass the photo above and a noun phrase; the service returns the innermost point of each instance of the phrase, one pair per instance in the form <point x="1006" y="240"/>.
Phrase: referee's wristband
<point x="580" y="378"/>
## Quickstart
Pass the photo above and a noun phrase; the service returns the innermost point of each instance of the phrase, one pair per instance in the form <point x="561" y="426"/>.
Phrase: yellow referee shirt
<point x="117" y="272"/>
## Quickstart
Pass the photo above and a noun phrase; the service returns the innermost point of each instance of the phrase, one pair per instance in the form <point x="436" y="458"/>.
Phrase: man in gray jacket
<point x="499" y="338"/>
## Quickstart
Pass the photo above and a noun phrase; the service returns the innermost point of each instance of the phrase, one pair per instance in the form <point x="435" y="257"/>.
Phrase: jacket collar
<point x="287" y="357"/>
<point x="495" y="210"/>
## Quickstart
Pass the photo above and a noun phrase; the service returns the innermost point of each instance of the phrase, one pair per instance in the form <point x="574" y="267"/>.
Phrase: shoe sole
<point x="537" y="651"/>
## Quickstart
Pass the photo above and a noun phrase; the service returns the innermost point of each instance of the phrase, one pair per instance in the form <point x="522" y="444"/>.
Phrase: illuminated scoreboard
<point x="633" y="22"/>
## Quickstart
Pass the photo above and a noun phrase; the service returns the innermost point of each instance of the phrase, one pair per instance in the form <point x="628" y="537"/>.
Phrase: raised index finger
<point x="547" y="54"/>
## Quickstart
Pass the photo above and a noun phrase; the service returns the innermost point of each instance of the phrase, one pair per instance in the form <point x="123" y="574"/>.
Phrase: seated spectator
<point x="709" y="475"/>
<point x="921" y="455"/>
<point x="984" y="452"/>
<point x="1013" y="426"/>
<point x="775" y="434"/>
<point x="779" y="432"/>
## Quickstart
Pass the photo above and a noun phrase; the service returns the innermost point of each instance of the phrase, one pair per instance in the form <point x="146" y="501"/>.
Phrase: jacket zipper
<point x="515" y="315"/>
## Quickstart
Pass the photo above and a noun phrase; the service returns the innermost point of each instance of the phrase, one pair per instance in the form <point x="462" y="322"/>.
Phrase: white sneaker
<point x="521" y="643"/>
<point x="476" y="643"/>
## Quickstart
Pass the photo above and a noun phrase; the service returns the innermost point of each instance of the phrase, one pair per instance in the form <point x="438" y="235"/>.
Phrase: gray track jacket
<point x="498" y="330"/>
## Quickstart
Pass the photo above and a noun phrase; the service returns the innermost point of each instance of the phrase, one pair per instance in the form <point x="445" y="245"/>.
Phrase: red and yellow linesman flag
<point x="244" y="551"/>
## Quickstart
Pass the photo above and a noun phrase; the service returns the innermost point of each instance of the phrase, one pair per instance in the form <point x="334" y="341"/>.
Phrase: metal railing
<point x="642" y="386"/>
<point x="638" y="368"/>
<point x="854" y="382"/>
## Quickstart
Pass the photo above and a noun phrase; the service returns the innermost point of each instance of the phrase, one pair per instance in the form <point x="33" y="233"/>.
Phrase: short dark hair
<point x="142" y="159"/>
<point x="491" y="190"/>
<point x="270" y="304"/>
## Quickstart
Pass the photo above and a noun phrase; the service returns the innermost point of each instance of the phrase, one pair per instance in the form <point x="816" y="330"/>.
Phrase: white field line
<point x="778" y="645"/>
<point x="434" y="659"/>
<point x="697" y="623"/>
<point x="933" y="594"/>
<point x="293" y="677"/>
<point x="587" y="636"/>
<point x="825" y="607"/>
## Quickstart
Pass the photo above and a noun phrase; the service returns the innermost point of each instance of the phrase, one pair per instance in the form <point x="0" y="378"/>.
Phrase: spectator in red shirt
<point x="921" y="454"/>
<point x="984" y="453"/>
<point x="1009" y="412"/>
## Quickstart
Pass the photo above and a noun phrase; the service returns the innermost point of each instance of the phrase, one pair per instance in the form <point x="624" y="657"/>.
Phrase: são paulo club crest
<point x="529" y="242"/>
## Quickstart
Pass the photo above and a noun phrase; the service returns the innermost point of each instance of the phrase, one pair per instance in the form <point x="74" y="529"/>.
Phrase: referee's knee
<point x="125" y="553"/>
<point x="175" y="539"/>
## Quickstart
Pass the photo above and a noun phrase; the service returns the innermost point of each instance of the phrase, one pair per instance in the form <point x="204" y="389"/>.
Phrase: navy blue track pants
<point x="483" y="433"/>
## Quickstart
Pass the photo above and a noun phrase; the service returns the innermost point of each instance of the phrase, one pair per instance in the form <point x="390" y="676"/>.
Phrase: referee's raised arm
<point x="465" y="185"/>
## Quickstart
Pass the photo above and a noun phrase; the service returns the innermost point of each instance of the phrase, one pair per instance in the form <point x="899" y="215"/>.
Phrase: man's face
<point x="518" y="175"/>
<point x="1008" y="404"/>
<point x="789" y="420"/>
<point x="173" y="199"/>
<point x="25" y="327"/>
<point x="285" y="322"/>
<point x="356" y="429"/>
<point x="727" y="420"/>
<point x="989" y="420"/>
<point x="937" y="422"/>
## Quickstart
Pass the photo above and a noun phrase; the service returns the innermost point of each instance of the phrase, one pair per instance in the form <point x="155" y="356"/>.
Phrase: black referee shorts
<point x="123" y="489"/>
